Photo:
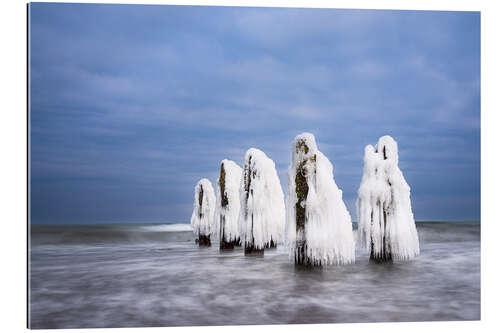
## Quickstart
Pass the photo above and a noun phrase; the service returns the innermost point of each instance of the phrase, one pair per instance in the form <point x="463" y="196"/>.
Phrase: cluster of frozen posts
<point x="249" y="208"/>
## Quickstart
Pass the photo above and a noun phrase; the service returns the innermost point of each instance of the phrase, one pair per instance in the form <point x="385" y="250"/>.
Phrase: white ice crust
<point x="229" y="213"/>
<point x="384" y="190"/>
<point x="203" y="225"/>
<point x="262" y="215"/>
<point x="328" y="227"/>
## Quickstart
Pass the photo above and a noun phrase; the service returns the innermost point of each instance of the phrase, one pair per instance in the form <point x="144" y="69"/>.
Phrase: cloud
<point x="148" y="99"/>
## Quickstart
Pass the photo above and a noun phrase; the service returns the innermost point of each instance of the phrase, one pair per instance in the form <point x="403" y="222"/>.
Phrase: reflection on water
<point x="129" y="276"/>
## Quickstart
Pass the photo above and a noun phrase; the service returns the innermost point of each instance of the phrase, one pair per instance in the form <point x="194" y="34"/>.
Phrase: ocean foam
<point x="167" y="227"/>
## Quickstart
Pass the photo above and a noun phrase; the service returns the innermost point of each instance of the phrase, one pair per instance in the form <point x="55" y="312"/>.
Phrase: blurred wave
<point x="168" y="227"/>
<point x="155" y="275"/>
<point x="109" y="233"/>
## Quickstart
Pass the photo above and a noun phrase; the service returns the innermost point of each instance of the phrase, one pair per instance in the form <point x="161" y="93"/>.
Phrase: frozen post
<point x="203" y="211"/>
<point x="228" y="205"/>
<point x="262" y="213"/>
<point x="319" y="228"/>
<point x="386" y="224"/>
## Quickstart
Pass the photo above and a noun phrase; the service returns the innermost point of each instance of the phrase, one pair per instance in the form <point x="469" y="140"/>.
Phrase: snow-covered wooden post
<point x="203" y="212"/>
<point x="386" y="226"/>
<point x="262" y="212"/>
<point x="306" y="163"/>
<point x="228" y="205"/>
<point x="319" y="228"/>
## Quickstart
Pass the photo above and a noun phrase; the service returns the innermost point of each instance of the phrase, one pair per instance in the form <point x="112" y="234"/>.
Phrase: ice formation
<point x="318" y="228"/>
<point x="227" y="208"/>
<point x="262" y="214"/>
<point x="203" y="211"/>
<point x="386" y="225"/>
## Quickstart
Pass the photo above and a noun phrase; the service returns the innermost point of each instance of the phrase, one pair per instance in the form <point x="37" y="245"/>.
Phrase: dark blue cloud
<point x="131" y="105"/>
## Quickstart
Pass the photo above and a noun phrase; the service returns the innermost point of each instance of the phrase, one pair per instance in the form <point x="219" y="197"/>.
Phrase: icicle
<point x="203" y="212"/>
<point x="262" y="213"/>
<point x="228" y="205"/>
<point x="319" y="228"/>
<point x="385" y="220"/>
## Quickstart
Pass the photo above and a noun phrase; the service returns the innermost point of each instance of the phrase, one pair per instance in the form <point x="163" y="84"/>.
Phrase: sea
<point x="147" y="275"/>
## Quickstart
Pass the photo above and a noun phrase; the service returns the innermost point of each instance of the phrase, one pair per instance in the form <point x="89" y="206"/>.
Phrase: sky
<point x="130" y="105"/>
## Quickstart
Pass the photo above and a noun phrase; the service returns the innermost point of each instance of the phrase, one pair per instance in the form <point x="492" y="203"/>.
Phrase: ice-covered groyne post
<point x="203" y="211"/>
<point x="262" y="212"/>
<point x="319" y="229"/>
<point x="227" y="208"/>
<point x="385" y="220"/>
